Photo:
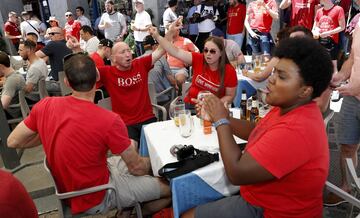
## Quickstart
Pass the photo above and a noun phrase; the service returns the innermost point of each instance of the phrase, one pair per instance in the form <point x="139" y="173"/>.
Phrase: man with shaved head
<point x="127" y="83"/>
<point x="55" y="50"/>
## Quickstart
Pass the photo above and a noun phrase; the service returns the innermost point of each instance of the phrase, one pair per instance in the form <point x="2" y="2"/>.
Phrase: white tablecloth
<point x="161" y="136"/>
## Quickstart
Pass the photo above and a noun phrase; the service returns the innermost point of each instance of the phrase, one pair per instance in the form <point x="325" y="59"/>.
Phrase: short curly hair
<point x="313" y="60"/>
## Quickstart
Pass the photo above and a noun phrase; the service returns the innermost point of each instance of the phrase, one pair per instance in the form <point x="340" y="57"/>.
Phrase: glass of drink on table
<point x="185" y="123"/>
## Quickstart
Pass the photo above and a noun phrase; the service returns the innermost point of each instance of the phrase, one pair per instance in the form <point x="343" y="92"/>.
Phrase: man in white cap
<point x="29" y="25"/>
<point x="72" y="26"/>
<point x="113" y="23"/>
<point x="141" y="26"/>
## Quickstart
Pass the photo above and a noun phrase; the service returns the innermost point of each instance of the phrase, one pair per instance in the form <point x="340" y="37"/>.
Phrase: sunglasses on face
<point x="53" y="33"/>
<point x="68" y="15"/>
<point x="212" y="51"/>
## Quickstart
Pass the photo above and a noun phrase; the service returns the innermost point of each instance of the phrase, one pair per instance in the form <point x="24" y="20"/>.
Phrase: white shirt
<point x="84" y="21"/>
<point x="169" y="16"/>
<point x="117" y="24"/>
<point x="207" y="25"/>
<point x="26" y="28"/>
<point x="91" y="45"/>
<point x="142" y="19"/>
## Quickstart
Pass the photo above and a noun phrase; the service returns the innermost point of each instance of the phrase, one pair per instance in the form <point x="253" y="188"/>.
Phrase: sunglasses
<point x="212" y="51"/>
<point x="68" y="15"/>
<point x="53" y="33"/>
<point x="67" y="57"/>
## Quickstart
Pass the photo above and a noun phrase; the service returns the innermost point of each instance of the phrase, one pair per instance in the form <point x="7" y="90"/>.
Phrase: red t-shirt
<point x="235" y="19"/>
<point x="99" y="62"/>
<point x="76" y="135"/>
<point x="72" y="28"/>
<point x="14" y="199"/>
<point x="259" y="18"/>
<point x="206" y="79"/>
<point x="129" y="90"/>
<point x="13" y="30"/>
<point x="303" y="12"/>
<point x="294" y="149"/>
<point x="329" y="19"/>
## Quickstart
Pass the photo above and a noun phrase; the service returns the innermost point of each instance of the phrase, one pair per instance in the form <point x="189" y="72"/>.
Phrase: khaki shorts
<point x="130" y="189"/>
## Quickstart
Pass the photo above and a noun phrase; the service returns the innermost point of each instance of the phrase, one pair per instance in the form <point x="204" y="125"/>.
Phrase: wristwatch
<point x="220" y="122"/>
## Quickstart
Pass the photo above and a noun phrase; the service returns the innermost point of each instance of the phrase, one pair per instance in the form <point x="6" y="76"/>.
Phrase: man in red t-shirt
<point x="76" y="135"/>
<point x="258" y="21"/>
<point x="12" y="31"/>
<point x="235" y="21"/>
<point x="127" y="84"/>
<point x="302" y="11"/>
<point x="15" y="201"/>
<point x="104" y="51"/>
<point x="72" y="27"/>
<point x="329" y="21"/>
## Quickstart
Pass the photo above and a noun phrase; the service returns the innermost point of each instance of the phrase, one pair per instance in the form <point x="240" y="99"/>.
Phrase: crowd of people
<point x="301" y="72"/>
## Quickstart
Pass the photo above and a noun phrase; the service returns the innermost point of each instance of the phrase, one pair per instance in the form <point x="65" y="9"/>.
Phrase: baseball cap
<point x="109" y="2"/>
<point x="149" y="40"/>
<point x="106" y="42"/>
<point x="68" y="13"/>
<point x="140" y="1"/>
<point x="24" y="13"/>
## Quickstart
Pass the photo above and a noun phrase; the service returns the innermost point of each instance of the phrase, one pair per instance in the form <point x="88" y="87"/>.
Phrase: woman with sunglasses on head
<point x="211" y="69"/>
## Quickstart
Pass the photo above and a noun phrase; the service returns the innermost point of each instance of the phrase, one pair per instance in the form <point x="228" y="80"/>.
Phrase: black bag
<point x="187" y="165"/>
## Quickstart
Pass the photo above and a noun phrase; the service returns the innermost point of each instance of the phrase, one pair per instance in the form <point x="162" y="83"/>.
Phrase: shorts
<point x="130" y="189"/>
<point x="134" y="130"/>
<point x="349" y="121"/>
<point x="234" y="206"/>
<point x="177" y="70"/>
<point x="331" y="46"/>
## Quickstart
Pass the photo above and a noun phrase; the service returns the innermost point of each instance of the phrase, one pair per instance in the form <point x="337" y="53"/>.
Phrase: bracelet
<point x="221" y="122"/>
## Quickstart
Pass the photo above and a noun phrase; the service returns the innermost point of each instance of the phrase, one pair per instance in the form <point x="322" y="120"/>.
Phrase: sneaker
<point x="333" y="200"/>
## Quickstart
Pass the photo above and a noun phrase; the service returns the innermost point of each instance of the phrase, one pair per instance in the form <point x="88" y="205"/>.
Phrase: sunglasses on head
<point x="53" y="33"/>
<point x="67" y="57"/>
<point x="212" y="51"/>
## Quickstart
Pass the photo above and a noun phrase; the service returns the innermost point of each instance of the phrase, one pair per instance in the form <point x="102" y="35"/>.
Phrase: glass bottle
<point x="254" y="112"/>
<point x="243" y="105"/>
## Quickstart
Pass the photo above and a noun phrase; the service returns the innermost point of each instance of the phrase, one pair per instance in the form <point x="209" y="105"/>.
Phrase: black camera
<point x="182" y="152"/>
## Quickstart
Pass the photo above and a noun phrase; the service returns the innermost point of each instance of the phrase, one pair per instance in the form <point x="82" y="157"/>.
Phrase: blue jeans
<point x="262" y="45"/>
<point x="238" y="38"/>
<point x="243" y="85"/>
<point x="139" y="48"/>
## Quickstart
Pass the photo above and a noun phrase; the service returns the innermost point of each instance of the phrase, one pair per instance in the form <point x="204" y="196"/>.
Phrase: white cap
<point x="140" y="1"/>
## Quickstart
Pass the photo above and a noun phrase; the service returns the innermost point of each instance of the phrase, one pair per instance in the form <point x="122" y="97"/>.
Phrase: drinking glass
<point x="186" y="123"/>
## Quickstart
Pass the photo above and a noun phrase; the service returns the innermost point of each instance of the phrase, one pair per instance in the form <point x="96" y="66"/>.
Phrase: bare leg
<point x="347" y="151"/>
<point x="152" y="207"/>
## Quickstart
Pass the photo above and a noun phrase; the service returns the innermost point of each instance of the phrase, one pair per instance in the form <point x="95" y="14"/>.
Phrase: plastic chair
<point x="153" y="98"/>
<point x="65" y="90"/>
<point x="344" y="195"/>
<point x="65" y="210"/>
<point x="105" y="103"/>
<point x="24" y="107"/>
<point x="42" y="89"/>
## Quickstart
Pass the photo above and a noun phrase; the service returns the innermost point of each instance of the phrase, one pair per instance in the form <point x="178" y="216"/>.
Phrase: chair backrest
<point x="156" y="107"/>
<point x="24" y="107"/>
<point x="65" y="90"/>
<point x="351" y="174"/>
<point x="343" y="194"/>
<point x="42" y="89"/>
<point x="105" y="103"/>
<point x="64" y="210"/>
